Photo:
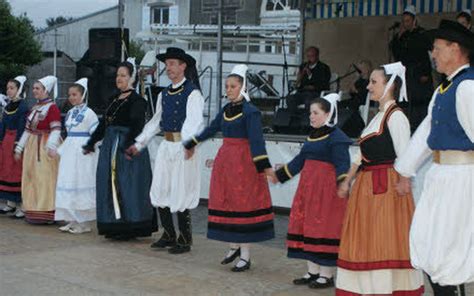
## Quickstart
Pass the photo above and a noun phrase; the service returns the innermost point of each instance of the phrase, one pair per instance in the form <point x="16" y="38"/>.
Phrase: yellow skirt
<point x="39" y="177"/>
<point x="374" y="256"/>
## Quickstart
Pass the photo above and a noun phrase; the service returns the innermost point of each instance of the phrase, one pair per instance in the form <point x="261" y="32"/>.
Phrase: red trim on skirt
<point x="251" y="220"/>
<point x="416" y="292"/>
<point x="39" y="216"/>
<point x="312" y="248"/>
<point x="390" y="264"/>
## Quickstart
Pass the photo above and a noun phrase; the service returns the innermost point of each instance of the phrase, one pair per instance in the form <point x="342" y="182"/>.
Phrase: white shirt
<point x="418" y="150"/>
<point x="193" y="124"/>
<point x="398" y="125"/>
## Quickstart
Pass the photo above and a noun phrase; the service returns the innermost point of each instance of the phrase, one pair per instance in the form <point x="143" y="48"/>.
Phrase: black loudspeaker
<point x="105" y="44"/>
<point x="101" y="83"/>
<point x="350" y="122"/>
<point x="285" y="123"/>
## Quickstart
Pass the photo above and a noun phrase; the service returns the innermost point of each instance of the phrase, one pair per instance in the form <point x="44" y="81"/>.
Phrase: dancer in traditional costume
<point x="76" y="186"/>
<point x="123" y="205"/>
<point x="374" y="255"/>
<point x="317" y="211"/>
<point x="240" y="206"/>
<point x="11" y="129"/>
<point x="442" y="232"/>
<point x="39" y="145"/>
<point x="176" y="181"/>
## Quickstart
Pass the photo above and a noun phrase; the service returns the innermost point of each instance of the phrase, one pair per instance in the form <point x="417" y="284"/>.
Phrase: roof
<point x="76" y="20"/>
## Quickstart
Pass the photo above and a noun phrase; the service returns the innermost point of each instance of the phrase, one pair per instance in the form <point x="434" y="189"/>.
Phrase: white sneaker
<point x="18" y="214"/>
<point x="66" y="227"/>
<point x="79" y="228"/>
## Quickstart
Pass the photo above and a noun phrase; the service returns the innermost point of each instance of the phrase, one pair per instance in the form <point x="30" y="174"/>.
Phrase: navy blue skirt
<point x="132" y="189"/>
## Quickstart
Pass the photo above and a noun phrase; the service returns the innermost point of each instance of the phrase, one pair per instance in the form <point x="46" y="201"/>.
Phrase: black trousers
<point x="303" y="97"/>
<point x="439" y="290"/>
<point x="184" y="223"/>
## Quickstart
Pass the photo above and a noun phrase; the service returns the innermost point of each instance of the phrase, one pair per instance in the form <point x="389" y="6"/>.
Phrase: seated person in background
<point x="313" y="77"/>
<point x="358" y="90"/>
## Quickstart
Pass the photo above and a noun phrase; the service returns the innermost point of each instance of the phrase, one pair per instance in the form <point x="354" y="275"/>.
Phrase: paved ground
<point x="39" y="260"/>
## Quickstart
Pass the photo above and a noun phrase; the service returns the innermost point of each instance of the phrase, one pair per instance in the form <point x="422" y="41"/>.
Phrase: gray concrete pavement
<point x="40" y="260"/>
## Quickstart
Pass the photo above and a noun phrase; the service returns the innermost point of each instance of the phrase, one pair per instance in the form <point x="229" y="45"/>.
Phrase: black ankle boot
<point x="185" y="239"/>
<point x="166" y="240"/>
<point x="182" y="246"/>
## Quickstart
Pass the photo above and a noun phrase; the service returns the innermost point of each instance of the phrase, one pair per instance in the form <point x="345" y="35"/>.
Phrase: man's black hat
<point x="176" y="53"/>
<point x="455" y="32"/>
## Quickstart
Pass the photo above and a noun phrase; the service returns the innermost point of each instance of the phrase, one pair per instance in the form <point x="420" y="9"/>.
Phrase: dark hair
<point x="129" y="68"/>
<point x="240" y="78"/>
<point x="17" y="84"/>
<point x="324" y="105"/>
<point x="316" y="49"/>
<point x="465" y="15"/>
<point x="397" y="83"/>
<point x="79" y="87"/>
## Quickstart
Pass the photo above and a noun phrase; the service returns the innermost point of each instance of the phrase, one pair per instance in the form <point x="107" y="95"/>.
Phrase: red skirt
<point x="240" y="206"/>
<point x="316" y="217"/>
<point x="10" y="169"/>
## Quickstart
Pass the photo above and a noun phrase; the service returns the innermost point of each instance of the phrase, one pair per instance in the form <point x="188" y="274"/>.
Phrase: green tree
<point x="18" y="48"/>
<point x="50" y="22"/>
<point x="135" y="50"/>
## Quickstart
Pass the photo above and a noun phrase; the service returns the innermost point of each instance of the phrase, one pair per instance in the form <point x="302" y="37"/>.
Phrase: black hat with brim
<point x="454" y="32"/>
<point x="176" y="53"/>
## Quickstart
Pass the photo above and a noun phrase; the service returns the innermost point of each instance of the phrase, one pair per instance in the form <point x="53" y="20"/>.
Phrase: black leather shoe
<point x="242" y="268"/>
<point x="305" y="281"/>
<point x="317" y="285"/>
<point x="164" y="242"/>
<point x="232" y="257"/>
<point x="179" y="249"/>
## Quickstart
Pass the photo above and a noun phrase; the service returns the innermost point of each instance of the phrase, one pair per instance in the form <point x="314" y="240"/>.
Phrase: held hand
<point x="52" y="153"/>
<point x="132" y="151"/>
<point x="86" y="149"/>
<point x="17" y="156"/>
<point x="271" y="176"/>
<point x="343" y="189"/>
<point x="188" y="153"/>
<point x="403" y="187"/>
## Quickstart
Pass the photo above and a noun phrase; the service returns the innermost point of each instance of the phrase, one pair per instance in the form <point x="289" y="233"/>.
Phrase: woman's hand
<point x="86" y="149"/>
<point x="52" y="153"/>
<point x="403" y="187"/>
<point x="188" y="153"/>
<point x="131" y="152"/>
<point x="271" y="176"/>
<point x="17" y="156"/>
<point x="343" y="189"/>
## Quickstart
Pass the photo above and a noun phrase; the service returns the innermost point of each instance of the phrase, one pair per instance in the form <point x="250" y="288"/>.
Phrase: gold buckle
<point x="172" y="137"/>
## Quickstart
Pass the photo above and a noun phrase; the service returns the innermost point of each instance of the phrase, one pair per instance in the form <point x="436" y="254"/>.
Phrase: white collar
<point x="179" y="83"/>
<point x="450" y="77"/>
<point x="313" y="65"/>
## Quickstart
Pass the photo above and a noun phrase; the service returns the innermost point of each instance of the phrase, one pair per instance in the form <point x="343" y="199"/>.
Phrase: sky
<point x="39" y="10"/>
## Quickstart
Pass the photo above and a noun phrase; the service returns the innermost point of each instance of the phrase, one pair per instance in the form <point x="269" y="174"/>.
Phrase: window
<point x="160" y="15"/>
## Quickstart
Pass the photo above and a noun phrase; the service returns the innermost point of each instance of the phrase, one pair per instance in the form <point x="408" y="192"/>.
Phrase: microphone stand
<point x="285" y="79"/>
<point x="338" y="79"/>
